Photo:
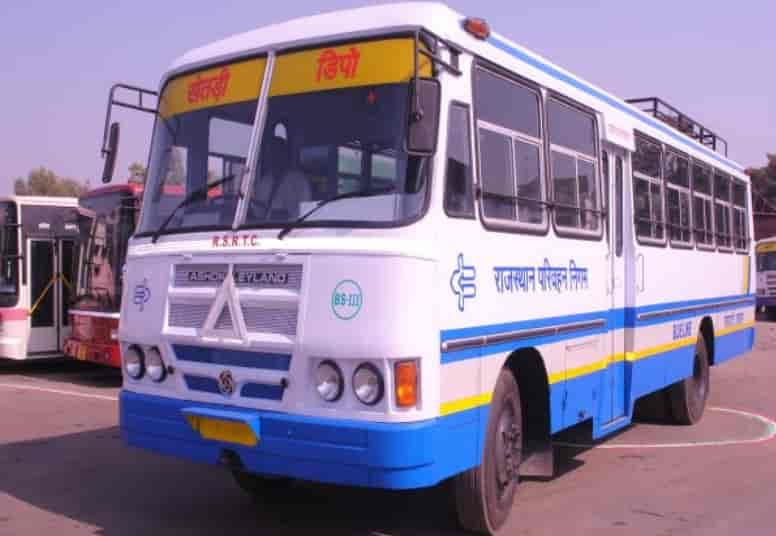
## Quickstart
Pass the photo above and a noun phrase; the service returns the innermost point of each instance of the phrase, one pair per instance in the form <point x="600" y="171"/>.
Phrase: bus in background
<point x="107" y="218"/>
<point x="432" y="250"/>
<point x="766" y="276"/>
<point x="38" y="249"/>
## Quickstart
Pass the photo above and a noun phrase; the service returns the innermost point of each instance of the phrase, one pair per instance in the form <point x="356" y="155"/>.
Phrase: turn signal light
<point x="406" y="376"/>
<point x="477" y="27"/>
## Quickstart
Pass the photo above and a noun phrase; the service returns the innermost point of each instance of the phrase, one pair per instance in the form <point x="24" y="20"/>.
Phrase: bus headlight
<point x="134" y="362"/>
<point x="328" y="381"/>
<point x="155" y="365"/>
<point x="368" y="384"/>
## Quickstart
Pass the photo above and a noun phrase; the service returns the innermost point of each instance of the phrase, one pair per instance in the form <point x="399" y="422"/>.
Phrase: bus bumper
<point x="94" y="352"/>
<point x="766" y="302"/>
<point x="357" y="453"/>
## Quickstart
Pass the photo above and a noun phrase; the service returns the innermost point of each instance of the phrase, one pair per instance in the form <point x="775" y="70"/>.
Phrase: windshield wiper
<point x="187" y="200"/>
<point x="348" y="195"/>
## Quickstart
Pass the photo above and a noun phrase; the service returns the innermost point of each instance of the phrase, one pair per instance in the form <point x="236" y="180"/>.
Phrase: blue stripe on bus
<point x="611" y="101"/>
<point x="615" y="319"/>
<point x="201" y="383"/>
<point x="235" y="358"/>
<point x="262" y="390"/>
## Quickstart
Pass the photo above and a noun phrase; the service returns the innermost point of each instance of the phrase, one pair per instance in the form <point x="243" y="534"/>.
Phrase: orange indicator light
<point x="406" y="375"/>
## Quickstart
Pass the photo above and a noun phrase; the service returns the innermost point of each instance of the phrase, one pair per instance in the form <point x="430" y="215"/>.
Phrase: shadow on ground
<point x="62" y="371"/>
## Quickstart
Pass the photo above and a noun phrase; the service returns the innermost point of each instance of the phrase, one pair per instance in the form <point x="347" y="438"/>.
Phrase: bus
<point x="433" y="250"/>
<point x="766" y="275"/>
<point x="106" y="221"/>
<point x="38" y="245"/>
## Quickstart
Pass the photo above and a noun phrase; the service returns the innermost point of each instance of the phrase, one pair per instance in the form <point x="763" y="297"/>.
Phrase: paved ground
<point x="64" y="470"/>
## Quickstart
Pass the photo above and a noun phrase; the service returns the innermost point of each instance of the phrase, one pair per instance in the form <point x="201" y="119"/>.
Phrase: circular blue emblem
<point x="347" y="299"/>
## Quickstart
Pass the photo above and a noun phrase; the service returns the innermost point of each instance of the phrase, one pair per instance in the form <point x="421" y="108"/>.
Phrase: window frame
<point x="500" y="224"/>
<point x="707" y="198"/>
<point x="473" y="145"/>
<point x="728" y="205"/>
<point x="637" y="175"/>
<point x="735" y="209"/>
<point x="599" y="210"/>
<point x="678" y="244"/>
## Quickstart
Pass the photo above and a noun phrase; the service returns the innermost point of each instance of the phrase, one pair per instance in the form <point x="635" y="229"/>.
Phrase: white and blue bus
<point x="430" y="251"/>
<point x="766" y="275"/>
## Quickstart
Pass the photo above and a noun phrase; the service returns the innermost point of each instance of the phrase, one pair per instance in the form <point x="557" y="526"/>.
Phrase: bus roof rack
<point x="663" y="111"/>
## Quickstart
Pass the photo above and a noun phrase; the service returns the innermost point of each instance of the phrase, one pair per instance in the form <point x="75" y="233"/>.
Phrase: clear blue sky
<point x="57" y="60"/>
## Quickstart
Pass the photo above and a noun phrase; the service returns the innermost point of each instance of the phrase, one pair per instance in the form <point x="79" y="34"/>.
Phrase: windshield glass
<point x="106" y="221"/>
<point x="202" y="134"/>
<point x="766" y="261"/>
<point x="336" y="123"/>
<point x="9" y="255"/>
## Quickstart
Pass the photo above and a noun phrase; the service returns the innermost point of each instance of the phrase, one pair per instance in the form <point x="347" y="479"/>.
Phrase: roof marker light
<point x="477" y="27"/>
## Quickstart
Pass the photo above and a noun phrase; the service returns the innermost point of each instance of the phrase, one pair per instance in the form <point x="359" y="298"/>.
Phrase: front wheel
<point x="484" y="494"/>
<point x="687" y="398"/>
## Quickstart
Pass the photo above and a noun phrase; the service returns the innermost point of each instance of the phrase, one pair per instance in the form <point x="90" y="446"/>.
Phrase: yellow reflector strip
<point x="366" y="63"/>
<point x="226" y="84"/>
<point x="463" y="404"/>
<point x="765" y="248"/>
<point x="222" y="430"/>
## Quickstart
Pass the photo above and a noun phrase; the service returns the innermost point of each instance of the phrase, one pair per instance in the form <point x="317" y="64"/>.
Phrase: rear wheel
<point x="688" y="397"/>
<point x="484" y="494"/>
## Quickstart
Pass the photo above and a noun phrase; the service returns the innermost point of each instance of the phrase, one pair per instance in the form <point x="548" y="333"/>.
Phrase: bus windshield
<point x="335" y="122"/>
<point x="9" y="255"/>
<point x="106" y="221"/>
<point x="766" y="261"/>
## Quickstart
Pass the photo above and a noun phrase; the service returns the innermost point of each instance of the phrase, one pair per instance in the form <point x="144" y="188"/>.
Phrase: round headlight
<point x="154" y="365"/>
<point x="328" y="381"/>
<point x="368" y="384"/>
<point x="134" y="364"/>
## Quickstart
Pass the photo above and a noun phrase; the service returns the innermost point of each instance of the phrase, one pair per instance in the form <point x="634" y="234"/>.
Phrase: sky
<point x="712" y="60"/>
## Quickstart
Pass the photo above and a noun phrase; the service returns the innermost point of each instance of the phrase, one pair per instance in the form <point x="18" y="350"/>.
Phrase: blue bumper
<point x="379" y="455"/>
<point x="766" y="302"/>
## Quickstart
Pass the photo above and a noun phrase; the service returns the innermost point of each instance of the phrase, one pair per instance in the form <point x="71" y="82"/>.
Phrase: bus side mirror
<point x="424" y="117"/>
<point x="110" y="152"/>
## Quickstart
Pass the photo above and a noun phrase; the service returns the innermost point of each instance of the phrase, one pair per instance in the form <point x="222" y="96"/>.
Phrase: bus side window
<point x="618" y="168"/>
<point x="459" y="197"/>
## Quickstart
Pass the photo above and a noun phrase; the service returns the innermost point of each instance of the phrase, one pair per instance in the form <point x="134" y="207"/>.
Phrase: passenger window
<point x="722" y="210"/>
<point x="348" y="169"/>
<point x="676" y="170"/>
<point x="618" y="187"/>
<point x="510" y="145"/>
<point x="574" y="177"/>
<point x="740" y="219"/>
<point x="459" y="198"/>
<point x="648" y="191"/>
<point x="504" y="103"/>
<point x="703" y="222"/>
<point x="497" y="178"/>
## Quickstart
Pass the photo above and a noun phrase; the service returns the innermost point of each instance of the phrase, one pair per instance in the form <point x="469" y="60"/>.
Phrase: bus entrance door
<point x="614" y="399"/>
<point x="49" y="268"/>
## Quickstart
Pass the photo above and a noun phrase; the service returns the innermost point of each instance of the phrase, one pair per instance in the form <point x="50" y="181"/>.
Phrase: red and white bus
<point x="38" y="244"/>
<point x="107" y="218"/>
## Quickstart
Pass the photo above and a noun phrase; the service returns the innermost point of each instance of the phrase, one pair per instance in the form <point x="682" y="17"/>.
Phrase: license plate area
<point x="227" y="427"/>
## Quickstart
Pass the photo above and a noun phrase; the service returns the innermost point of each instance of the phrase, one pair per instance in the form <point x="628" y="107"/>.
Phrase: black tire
<point x="484" y="494"/>
<point x="259" y="485"/>
<point x="688" y="397"/>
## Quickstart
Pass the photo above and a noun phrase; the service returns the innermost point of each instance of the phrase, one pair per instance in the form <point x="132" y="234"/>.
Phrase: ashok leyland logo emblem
<point x="226" y="383"/>
<point x="141" y="294"/>
<point x="463" y="283"/>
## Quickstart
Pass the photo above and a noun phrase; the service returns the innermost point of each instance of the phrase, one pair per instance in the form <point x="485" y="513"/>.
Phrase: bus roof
<point x="620" y="118"/>
<point x="41" y="200"/>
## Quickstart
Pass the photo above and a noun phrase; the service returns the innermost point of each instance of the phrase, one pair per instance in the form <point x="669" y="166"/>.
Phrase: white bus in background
<point x="766" y="275"/>
<point x="38" y="254"/>
<point x="431" y="250"/>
